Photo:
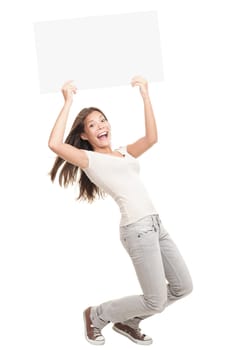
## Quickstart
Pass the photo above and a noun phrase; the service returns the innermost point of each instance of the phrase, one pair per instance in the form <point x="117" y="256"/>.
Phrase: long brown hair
<point x="68" y="174"/>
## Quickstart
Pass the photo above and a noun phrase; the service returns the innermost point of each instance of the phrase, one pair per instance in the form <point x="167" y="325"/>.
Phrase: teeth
<point x="102" y="134"/>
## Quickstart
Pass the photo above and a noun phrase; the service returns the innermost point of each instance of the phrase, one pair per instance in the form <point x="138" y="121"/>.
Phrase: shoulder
<point x="125" y="150"/>
<point x="95" y="159"/>
<point x="122" y="150"/>
<point x="89" y="158"/>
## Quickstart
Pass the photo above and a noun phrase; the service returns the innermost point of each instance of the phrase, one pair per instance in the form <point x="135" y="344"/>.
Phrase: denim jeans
<point x="160" y="269"/>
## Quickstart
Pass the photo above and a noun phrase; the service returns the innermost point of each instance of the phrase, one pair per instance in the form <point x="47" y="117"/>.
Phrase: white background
<point x="59" y="256"/>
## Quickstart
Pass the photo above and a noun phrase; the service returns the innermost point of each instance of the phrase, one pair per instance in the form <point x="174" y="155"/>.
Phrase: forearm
<point x="150" y="122"/>
<point x="58" y="131"/>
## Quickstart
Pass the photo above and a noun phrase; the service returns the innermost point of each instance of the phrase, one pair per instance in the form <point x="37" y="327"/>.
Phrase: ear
<point x="83" y="136"/>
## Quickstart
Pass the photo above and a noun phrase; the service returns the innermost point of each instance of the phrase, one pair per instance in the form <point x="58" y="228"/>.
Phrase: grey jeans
<point x="160" y="269"/>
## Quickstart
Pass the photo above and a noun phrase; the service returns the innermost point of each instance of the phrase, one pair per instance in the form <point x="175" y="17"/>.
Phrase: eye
<point x="91" y="125"/>
<point x="103" y="120"/>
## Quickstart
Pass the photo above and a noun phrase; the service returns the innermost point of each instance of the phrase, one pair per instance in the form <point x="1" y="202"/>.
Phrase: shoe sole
<point x="93" y="342"/>
<point x="140" y="342"/>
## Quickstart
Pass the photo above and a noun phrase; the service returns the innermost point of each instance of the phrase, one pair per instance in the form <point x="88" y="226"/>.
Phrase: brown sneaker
<point x="93" y="335"/>
<point x="133" y="334"/>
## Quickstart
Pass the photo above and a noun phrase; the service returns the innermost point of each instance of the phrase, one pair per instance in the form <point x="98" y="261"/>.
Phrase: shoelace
<point x="139" y="334"/>
<point x="96" y="331"/>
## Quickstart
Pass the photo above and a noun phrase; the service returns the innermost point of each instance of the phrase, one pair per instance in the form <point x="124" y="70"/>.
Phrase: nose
<point x="100" y="125"/>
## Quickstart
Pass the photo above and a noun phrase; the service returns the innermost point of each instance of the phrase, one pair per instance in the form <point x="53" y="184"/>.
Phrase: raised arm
<point x="56" y="140"/>
<point x="150" y="137"/>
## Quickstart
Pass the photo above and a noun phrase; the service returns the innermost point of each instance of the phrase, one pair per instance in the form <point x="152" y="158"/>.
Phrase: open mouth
<point x="103" y="135"/>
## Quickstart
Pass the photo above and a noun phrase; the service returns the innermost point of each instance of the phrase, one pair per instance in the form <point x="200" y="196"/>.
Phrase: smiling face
<point x="97" y="130"/>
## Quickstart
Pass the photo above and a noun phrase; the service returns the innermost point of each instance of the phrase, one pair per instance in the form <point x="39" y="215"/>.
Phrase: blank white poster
<point x="98" y="51"/>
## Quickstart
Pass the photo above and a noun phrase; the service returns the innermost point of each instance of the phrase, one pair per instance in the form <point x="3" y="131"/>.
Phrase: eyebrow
<point x="100" y="116"/>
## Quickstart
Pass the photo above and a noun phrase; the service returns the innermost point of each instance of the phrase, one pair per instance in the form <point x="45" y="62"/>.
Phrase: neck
<point x="106" y="149"/>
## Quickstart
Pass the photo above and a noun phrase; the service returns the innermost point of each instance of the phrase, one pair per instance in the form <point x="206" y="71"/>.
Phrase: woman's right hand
<point x="68" y="89"/>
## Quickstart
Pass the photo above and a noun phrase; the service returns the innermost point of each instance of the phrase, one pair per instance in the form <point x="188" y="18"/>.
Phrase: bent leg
<point x="141" y="241"/>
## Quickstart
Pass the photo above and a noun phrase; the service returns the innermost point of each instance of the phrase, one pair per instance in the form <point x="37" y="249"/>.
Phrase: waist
<point x="127" y="220"/>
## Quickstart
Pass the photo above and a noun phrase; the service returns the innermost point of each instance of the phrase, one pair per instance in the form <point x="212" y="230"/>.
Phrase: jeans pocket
<point x="148" y="240"/>
<point x="145" y="233"/>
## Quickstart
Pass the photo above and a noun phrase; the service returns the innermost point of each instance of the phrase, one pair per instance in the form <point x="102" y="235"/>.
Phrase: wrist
<point x="145" y="96"/>
<point x="68" y="103"/>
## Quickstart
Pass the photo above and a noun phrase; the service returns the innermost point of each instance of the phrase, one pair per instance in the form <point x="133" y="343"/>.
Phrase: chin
<point x="105" y="144"/>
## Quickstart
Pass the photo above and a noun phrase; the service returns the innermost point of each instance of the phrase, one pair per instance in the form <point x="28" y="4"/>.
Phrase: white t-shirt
<point x="119" y="177"/>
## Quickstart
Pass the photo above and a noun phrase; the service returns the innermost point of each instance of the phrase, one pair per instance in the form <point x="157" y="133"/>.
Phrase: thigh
<point x="142" y="244"/>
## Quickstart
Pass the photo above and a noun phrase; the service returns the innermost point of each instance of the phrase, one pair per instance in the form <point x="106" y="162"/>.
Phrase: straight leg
<point x="176" y="271"/>
<point x="179" y="282"/>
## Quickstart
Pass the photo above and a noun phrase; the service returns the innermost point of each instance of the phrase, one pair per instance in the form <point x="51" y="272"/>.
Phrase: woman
<point x="161" y="271"/>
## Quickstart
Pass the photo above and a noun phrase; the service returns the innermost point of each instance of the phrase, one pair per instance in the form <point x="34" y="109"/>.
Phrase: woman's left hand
<point x="142" y="83"/>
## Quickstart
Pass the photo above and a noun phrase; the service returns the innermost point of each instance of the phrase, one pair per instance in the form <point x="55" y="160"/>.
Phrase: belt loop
<point x="153" y="219"/>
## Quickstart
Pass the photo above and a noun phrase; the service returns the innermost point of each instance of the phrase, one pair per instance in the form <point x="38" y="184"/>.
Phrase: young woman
<point x="160" y="269"/>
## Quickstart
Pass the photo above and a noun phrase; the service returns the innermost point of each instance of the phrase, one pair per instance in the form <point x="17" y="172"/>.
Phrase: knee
<point x="187" y="287"/>
<point x="183" y="290"/>
<point x="155" y="304"/>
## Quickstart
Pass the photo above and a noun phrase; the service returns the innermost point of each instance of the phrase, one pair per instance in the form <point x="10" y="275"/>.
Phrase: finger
<point x="138" y="78"/>
<point x="68" y="84"/>
<point x="134" y="81"/>
<point x="136" y="84"/>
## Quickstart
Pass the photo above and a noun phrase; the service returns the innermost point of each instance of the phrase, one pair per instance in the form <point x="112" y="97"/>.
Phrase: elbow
<point x="53" y="146"/>
<point x="153" y="141"/>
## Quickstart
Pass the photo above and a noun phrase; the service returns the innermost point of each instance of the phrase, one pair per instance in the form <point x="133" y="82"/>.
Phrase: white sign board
<point x="98" y="51"/>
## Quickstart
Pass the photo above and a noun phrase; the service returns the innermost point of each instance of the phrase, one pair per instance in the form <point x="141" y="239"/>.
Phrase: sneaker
<point x="133" y="334"/>
<point x="93" y="334"/>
